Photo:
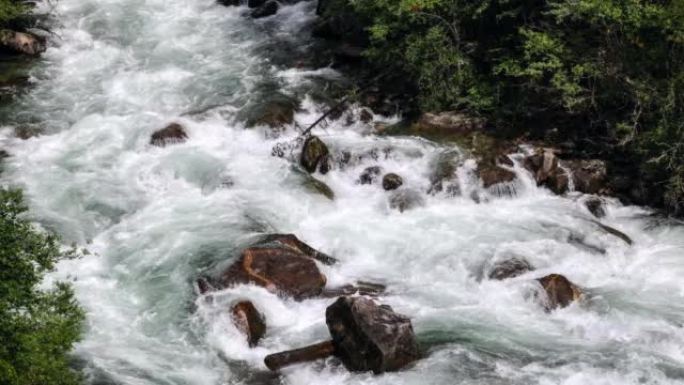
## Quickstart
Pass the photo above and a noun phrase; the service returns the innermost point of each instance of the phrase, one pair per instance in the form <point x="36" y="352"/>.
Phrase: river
<point x="154" y="218"/>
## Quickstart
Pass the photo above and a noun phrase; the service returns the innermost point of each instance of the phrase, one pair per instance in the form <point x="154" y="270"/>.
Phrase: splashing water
<point x="155" y="218"/>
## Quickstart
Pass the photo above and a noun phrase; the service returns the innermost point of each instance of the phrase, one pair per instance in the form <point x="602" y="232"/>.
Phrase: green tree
<point x="11" y="10"/>
<point x="37" y="327"/>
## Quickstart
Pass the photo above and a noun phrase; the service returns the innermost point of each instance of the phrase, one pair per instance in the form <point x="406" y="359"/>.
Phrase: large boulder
<point x="368" y="336"/>
<point x="547" y="171"/>
<point x="315" y="155"/>
<point x="21" y="42"/>
<point x="391" y="182"/>
<point x="282" y="264"/>
<point x="249" y="321"/>
<point x="449" y="123"/>
<point x="493" y="174"/>
<point x="560" y="292"/>
<point x="173" y="133"/>
<point x="589" y="176"/>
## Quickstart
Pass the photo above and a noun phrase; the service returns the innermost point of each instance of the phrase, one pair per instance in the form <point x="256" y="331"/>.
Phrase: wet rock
<point x="249" y="321"/>
<point x="391" y="182"/>
<point x="315" y="155"/>
<point x="203" y="285"/>
<point x="560" y="291"/>
<point x="370" y="175"/>
<point x="275" y="111"/>
<point x="406" y="199"/>
<point x="450" y="122"/>
<point x="509" y="268"/>
<point x="270" y="8"/>
<point x="291" y="241"/>
<point x="547" y="171"/>
<point x="443" y="176"/>
<point x="360" y="288"/>
<point x="171" y="134"/>
<point x="615" y="232"/>
<point x="22" y="43"/>
<point x="227" y="3"/>
<point x="256" y="3"/>
<point x="596" y="207"/>
<point x="589" y="176"/>
<point x="370" y="337"/>
<point x="493" y="174"/>
<point x="365" y="337"/>
<point x="279" y="269"/>
<point x="316" y="186"/>
<point x="365" y="116"/>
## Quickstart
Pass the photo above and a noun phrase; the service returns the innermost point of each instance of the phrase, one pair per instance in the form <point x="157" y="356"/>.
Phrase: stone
<point x="547" y="171"/>
<point x="291" y="241"/>
<point x="316" y="186"/>
<point x="596" y="207"/>
<point x="370" y="175"/>
<point x="315" y="155"/>
<point x="227" y="3"/>
<point x="171" y="134"/>
<point x="249" y="321"/>
<point x="365" y="116"/>
<point x="589" y="176"/>
<point x="443" y="175"/>
<point x="275" y="112"/>
<point x="255" y="3"/>
<point x="559" y="290"/>
<point x="509" y="268"/>
<point x="360" y="288"/>
<point x="270" y="8"/>
<point x="22" y="43"/>
<point x="370" y="337"/>
<point x="449" y="122"/>
<point x="493" y="174"/>
<point x="365" y="337"/>
<point x="614" y="232"/>
<point x="391" y="182"/>
<point x="406" y="199"/>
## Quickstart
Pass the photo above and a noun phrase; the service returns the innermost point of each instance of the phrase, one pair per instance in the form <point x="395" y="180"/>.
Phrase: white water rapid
<point x="154" y="219"/>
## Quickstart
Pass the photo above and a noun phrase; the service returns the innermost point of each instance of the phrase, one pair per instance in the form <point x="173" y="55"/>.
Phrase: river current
<point x="154" y="218"/>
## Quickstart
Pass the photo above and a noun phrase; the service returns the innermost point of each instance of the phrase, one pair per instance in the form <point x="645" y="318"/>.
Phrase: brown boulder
<point x="281" y="263"/>
<point x="171" y="134"/>
<point x="449" y="122"/>
<point x="559" y="290"/>
<point x="249" y="321"/>
<point x="492" y="174"/>
<point x="315" y="155"/>
<point x="20" y="42"/>
<point x="547" y="171"/>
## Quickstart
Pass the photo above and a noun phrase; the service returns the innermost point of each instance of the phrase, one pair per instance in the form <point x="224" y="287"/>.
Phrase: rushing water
<point x="153" y="219"/>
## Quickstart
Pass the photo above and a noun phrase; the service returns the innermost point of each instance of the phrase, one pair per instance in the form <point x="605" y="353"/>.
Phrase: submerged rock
<point x="615" y="232"/>
<point x="21" y="42"/>
<point x="316" y="186"/>
<point x="370" y="175"/>
<point x="443" y="175"/>
<point x="509" y="268"/>
<point x="560" y="291"/>
<point x="371" y="337"/>
<point x="171" y="134"/>
<point x="249" y="321"/>
<point x="391" y="182"/>
<point x="275" y="110"/>
<point x="596" y="207"/>
<point x="406" y="199"/>
<point x="492" y="174"/>
<point x="270" y="8"/>
<point x="315" y="155"/>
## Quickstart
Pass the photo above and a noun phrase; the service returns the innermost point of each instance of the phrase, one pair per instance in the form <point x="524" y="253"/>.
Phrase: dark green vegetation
<point x="10" y="11"/>
<point x="605" y="76"/>
<point x="37" y="327"/>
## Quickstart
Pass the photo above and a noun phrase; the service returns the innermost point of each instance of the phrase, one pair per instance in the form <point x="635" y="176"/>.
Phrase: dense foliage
<point x="607" y="73"/>
<point x="37" y="327"/>
<point x="11" y="10"/>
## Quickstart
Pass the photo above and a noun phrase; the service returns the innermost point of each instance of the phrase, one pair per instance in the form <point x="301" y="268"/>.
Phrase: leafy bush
<point x="37" y="327"/>
<point x="598" y="71"/>
<point x="11" y="10"/>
